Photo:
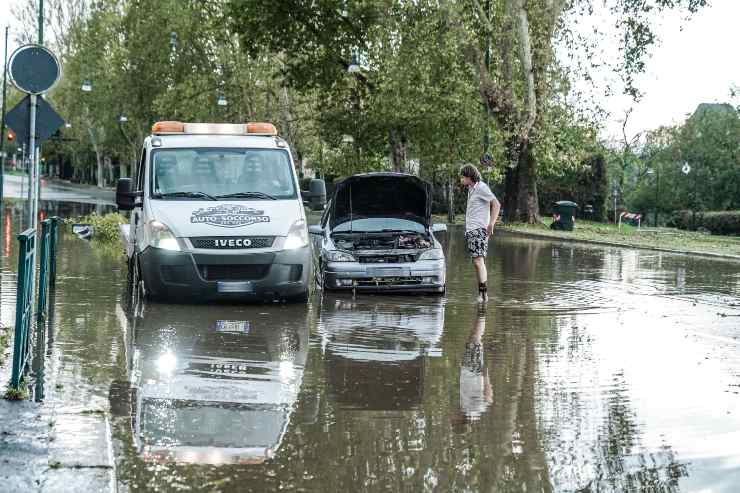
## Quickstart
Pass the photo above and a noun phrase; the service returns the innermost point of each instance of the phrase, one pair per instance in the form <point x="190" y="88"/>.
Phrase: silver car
<point x="376" y="235"/>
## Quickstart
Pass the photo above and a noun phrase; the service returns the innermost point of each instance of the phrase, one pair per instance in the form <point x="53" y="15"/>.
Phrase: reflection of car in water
<point x="212" y="386"/>
<point x="376" y="351"/>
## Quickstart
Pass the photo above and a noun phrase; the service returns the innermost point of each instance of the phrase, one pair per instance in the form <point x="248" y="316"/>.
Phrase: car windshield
<point x="222" y="174"/>
<point x="379" y="224"/>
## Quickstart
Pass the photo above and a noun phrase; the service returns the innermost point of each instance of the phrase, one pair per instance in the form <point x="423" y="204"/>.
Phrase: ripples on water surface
<point x="592" y="369"/>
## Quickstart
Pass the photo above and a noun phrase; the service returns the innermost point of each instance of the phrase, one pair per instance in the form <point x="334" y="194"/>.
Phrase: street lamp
<point x="86" y="85"/>
<point x="173" y="40"/>
<point x="222" y="100"/>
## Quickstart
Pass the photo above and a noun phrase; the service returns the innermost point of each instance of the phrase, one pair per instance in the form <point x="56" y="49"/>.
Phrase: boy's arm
<point x="495" y="209"/>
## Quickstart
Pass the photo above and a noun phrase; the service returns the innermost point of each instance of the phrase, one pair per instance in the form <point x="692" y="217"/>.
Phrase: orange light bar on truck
<point x="256" y="128"/>
<point x="251" y="128"/>
<point x="168" y="128"/>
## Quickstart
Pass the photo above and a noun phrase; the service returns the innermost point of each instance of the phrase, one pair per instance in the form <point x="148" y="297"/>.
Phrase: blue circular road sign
<point x="34" y="69"/>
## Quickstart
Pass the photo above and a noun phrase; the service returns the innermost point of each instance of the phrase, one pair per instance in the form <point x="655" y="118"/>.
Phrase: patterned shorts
<point x="477" y="241"/>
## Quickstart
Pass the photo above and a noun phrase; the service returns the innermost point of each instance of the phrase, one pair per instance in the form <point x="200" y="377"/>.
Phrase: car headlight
<point x="337" y="256"/>
<point x="160" y="236"/>
<point x="432" y="254"/>
<point x="297" y="235"/>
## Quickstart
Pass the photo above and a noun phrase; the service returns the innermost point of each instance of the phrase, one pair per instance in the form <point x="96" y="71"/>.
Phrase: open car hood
<point x="396" y="195"/>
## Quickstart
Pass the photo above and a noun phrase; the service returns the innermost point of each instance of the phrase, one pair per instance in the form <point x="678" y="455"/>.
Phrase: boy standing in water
<point x="480" y="218"/>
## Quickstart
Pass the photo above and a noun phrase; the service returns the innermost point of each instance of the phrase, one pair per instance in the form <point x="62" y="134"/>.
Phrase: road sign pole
<point x="32" y="175"/>
<point x="2" y="126"/>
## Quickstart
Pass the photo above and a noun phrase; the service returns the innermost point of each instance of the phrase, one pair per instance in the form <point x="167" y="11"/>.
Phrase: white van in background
<point x="217" y="212"/>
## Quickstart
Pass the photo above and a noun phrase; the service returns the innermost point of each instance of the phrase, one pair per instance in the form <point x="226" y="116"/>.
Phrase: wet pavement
<point x="590" y="369"/>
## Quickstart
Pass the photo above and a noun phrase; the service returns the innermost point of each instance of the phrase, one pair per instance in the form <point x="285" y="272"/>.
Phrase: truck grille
<point x="231" y="242"/>
<point x="243" y="272"/>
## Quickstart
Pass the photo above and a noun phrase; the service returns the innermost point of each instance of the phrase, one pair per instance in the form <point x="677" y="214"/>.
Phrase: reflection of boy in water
<point x="475" y="386"/>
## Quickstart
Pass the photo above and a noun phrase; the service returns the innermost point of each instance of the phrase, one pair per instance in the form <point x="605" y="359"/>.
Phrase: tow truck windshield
<point x="221" y="174"/>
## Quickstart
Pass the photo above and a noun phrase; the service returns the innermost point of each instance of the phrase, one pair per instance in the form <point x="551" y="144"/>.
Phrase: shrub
<point x="717" y="222"/>
<point x="105" y="228"/>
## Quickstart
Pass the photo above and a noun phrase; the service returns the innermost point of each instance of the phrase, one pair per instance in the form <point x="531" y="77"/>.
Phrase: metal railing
<point x="47" y="264"/>
<point x="25" y="287"/>
<point x="23" y="305"/>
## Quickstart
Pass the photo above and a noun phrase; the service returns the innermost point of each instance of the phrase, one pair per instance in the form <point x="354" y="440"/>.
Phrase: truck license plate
<point x="235" y="287"/>
<point x="233" y="326"/>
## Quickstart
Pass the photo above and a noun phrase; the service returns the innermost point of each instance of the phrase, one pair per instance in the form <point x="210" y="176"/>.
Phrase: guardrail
<point x="23" y="305"/>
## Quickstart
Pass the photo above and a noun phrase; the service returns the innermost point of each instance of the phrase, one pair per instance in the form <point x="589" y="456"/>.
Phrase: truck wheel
<point x="298" y="298"/>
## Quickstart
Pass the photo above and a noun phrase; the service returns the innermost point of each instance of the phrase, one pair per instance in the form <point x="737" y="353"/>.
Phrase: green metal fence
<point x="47" y="264"/>
<point x="23" y="305"/>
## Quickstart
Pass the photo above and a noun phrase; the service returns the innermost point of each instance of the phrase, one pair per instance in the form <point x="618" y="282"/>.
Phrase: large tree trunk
<point x="521" y="203"/>
<point x="397" y="140"/>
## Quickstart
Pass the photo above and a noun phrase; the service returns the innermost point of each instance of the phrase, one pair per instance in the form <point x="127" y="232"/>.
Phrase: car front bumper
<point x="241" y="276"/>
<point x="421" y="276"/>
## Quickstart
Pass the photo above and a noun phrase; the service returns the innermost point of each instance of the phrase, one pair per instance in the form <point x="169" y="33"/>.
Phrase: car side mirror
<point x="315" y="229"/>
<point x="125" y="197"/>
<point x="439" y="228"/>
<point x="315" y="196"/>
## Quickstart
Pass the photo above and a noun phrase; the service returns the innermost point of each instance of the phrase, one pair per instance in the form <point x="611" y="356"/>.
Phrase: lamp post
<point x="655" y="171"/>
<point x="121" y="120"/>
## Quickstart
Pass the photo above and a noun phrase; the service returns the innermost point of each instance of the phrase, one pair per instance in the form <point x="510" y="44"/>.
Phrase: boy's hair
<point x="471" y="172"/>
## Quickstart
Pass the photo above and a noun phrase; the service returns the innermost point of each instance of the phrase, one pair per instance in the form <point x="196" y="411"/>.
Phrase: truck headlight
<point x="297" y="235"/>
<point x="337" y="256"/>
<point x="432" y="254"/>
<point x="160" y="236"/>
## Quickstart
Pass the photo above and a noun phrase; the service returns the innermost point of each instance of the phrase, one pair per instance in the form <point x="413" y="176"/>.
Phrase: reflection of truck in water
<point x="376" y="352"/>
<point x="212" y="386"/>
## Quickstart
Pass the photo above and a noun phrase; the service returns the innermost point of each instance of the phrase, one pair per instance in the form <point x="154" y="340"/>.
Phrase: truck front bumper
<point x="243" y="276"/>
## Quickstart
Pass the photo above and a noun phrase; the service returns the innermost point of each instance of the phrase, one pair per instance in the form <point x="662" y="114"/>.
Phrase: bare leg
<point x="480" y="273"/>
<point x="480" y="269"/>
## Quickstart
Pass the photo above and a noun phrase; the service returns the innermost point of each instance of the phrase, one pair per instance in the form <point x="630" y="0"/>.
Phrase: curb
<point x="542" y="236"/>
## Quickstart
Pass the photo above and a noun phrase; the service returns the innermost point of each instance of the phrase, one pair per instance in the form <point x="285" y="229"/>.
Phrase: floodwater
<point x="590" y="369"/>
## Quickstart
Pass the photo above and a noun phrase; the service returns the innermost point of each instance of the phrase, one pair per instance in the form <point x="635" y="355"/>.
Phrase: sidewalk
<point x="53" y="446"/>
<point x="43" y="448"/>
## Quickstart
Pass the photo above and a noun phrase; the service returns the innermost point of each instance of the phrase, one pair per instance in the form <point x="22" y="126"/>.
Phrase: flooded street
<point x="591" y="369"/>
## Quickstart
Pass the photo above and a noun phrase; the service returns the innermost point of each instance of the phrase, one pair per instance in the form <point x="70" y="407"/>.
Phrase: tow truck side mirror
<point x="315" y="229"/>
<point x="315" y="196"/>
<point x="125" y="197"/>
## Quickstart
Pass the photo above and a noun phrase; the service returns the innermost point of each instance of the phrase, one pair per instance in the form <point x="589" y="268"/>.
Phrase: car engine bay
<point x="383" y="247"/>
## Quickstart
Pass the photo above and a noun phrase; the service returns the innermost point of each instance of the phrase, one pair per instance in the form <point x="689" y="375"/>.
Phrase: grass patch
<point x="662" y="238"/>
<point x="20" y="394"/>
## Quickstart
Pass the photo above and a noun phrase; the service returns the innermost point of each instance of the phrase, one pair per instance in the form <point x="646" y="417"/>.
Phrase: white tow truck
<point x="217" y="212"/>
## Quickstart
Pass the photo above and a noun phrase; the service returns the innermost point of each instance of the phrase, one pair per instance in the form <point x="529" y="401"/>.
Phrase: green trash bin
<point x="564" y="216"/>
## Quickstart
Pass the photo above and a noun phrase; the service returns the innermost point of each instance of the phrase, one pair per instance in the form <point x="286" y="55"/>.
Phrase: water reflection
<point x="212" y="385"/>
<point x="476" y="394"/>
<point x="375" y="349"/>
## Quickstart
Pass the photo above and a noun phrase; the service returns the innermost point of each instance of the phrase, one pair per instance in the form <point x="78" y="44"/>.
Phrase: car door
<point x="137" y="214"/>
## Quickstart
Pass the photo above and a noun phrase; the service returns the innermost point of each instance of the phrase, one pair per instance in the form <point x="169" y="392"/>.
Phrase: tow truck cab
<point x="217" y="212"/>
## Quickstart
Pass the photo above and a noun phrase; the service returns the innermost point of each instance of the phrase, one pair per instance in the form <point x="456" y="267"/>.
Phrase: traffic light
<point x="11" y="136"/>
